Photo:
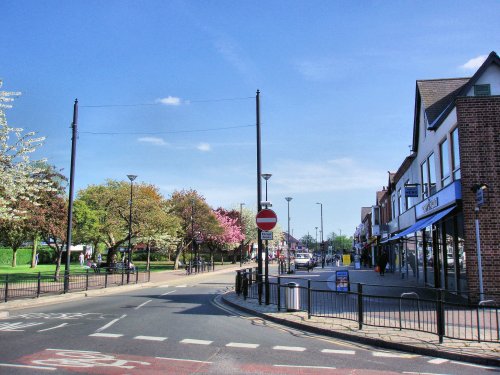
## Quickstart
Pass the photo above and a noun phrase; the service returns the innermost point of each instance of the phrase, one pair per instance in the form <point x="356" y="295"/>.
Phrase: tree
<point x="309" y="241"/>
<point x="14" y="233"/>
<point x="18" y="174"/>
<point x="231" y="233"/>
<point x="102" y="215"/>
<point x="49" y="216"/>
<point x="196" y="218"/>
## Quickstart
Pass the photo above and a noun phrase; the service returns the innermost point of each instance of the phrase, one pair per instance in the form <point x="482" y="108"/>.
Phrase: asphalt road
<point x="185" y="329"/>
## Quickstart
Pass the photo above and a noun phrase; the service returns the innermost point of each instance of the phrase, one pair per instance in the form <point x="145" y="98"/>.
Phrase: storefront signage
<point x="443" y="198"/>
<point x="342" y="280"/>
<point x="411" y="191"/>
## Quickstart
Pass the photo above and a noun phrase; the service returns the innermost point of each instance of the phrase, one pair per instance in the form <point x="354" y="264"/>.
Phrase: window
<point x="400" y="203"/>
<point x="455" y="160"/>
<point x="407" y="199"/>
<point x="428" y="173"/>
<point x="482" y="90"/>
<point x="444" y="162"/>
<point x="393" y="207"/>
<point x="425" y="179"/>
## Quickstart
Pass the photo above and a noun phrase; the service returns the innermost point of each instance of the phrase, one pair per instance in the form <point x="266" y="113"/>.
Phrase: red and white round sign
<point x="266" y="219"/>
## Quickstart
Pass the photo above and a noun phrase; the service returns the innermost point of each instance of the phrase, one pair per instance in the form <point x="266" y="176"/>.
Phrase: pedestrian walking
<point x="81" y="258"/>
<point x="382" y="262"/>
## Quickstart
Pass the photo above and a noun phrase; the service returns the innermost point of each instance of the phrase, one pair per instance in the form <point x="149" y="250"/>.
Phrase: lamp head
<point x="288" y="199"/>
<point x="266" y="176"/>
<point x="481" y="186"/>
<point x="131" y="177"/>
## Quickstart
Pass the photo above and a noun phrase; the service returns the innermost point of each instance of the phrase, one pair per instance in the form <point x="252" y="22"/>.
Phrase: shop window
<point x="428" y="174"/>
<point x="444" y="162"/>
<point x="400" y="203"/>
<point x="455" y="159"/>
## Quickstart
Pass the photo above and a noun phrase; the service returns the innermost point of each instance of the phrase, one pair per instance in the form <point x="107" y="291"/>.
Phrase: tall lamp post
<point x="321" y="238"/>
<point x="479" y="190"/>
<point x="131" y="177"/>
<point x="316" y="247"/>
<point x="266" y="176"/>
<point x="288" y="199"/>
<point x="242" y="228"/>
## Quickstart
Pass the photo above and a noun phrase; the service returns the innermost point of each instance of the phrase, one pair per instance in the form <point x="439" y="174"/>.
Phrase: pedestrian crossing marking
<point x="16" y="326"/>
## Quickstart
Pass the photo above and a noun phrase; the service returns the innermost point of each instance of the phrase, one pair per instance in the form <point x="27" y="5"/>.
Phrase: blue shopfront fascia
<point x="433" y="209"/>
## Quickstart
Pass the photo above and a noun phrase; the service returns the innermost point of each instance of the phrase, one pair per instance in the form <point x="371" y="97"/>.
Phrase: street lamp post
<point x="266" y="176"/>
<point x="192" y="236"/>
<point x="479" y="190"/>
<point x="288" y="199"/>
<point x="321" y="238"/>
<point x="316" y="241"/>
<point x="131" y="177"/>
<point x="241" y="225"/>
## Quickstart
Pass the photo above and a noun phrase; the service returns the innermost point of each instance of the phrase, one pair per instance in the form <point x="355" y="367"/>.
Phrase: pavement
<point x="483" y="353"/>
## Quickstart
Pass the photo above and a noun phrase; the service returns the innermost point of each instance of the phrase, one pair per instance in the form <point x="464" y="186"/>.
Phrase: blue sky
<point x="167" y="91"/>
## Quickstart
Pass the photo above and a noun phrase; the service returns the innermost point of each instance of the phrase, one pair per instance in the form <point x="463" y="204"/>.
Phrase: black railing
<point x="411" y="308"/>
<point x="15" y="286"/>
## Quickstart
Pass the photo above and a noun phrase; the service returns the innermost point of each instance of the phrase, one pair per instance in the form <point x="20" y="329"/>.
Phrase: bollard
<point x="39" y="284"/>
<point x="244" y="285"/>
<point x="279" y="293"/>
<point x="237" y="284"/>
<point x="360" y="306"/>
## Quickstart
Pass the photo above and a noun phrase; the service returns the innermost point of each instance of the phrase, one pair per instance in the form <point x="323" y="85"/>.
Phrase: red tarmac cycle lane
<point x="80" y="361"/>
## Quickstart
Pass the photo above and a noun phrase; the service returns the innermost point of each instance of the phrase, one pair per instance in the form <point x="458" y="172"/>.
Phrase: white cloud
<point x="169" y="100"/>
<point x="205" y="147"/>
<point x="475" y="63"/>
<point x="153" y="140"/>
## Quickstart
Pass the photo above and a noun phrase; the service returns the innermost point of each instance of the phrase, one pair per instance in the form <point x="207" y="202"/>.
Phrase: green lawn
<point x="26" y="268"/>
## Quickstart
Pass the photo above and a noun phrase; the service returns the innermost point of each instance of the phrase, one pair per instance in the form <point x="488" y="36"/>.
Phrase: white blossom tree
<point x="18" y="173"/>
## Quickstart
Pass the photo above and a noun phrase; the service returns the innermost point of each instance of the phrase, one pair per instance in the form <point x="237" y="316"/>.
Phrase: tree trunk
<point x="178" y="253"/>
<point x="148" y="262"/>
<point x="58" y="264"/>
<point x="33" y="252"/>
<point x="14" y="256"/>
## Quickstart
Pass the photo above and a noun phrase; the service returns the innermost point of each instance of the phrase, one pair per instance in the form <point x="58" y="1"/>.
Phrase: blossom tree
<point x="231" y="234"/>
<point x="18" y="173"/>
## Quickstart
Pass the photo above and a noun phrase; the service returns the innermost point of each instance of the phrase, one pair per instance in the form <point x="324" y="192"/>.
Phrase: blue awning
<point x="423" y="223"/>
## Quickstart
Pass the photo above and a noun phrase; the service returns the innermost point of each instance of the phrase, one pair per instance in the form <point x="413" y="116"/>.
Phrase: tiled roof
<point x="438" y="94"/>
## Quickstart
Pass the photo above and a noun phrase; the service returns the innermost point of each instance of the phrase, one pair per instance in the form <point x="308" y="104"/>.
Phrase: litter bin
<point x="292" y="297"/>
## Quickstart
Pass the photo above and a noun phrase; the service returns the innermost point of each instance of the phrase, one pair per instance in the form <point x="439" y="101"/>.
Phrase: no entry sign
<point x="266" y="219"/>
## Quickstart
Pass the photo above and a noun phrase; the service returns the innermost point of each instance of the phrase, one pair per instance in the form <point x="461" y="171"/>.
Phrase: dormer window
<point x="482" y="90"/>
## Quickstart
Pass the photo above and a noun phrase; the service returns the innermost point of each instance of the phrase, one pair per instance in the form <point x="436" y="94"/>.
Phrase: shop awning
<point x="423" y="223"/>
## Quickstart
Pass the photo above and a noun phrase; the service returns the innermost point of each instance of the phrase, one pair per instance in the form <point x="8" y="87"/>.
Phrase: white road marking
<point x="164" y="294"/>
<point x="164" y="286"/>
<point x="183" y="360"/>
<point x="438" y="361"/>
<point x="48" y="329"/>
<point x="16" y="327"/>
<point x="30" y="367"/>
<point x="335" y="351"/>
<point x="289" y="348"/>
<point x="110" y="323"/>
<point x="142" y="304"/>
<point x="110" y="335"/>
<point x="242" y="345"/>
<point x="472" y="365"/>
<point x="196" y="342"/>
<point x="150" y="338"/>
<point x="318" y="367"/>
<point x="182" y="286"/>
<point x="393" y="355"/>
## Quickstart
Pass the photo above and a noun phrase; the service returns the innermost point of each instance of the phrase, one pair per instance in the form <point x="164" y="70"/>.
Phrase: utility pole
<point x="74" y="126"/>
<point x="259" y="197"/>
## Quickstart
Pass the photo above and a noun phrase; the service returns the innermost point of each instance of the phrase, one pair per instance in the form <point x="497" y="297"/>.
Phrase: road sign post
<point x="266" y="220"/>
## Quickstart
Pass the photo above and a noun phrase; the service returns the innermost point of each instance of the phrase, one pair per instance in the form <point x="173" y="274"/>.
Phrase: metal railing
<point x="16" y="286"/>
<point x="419" y="309"/>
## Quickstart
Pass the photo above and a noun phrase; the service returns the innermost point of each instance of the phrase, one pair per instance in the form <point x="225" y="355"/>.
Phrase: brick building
<point x="453" y="169"/>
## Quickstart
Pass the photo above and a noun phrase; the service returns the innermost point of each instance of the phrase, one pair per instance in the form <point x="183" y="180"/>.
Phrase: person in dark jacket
<point x="382" y="262"/>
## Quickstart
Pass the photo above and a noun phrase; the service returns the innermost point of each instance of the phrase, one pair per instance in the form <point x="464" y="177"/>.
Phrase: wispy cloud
<point x="475" y="63"/>
<point x="204" y="147"/>
<point x="341" y="174"/>
<point x="157" y="141"/>
<point x="170" y="100"/>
